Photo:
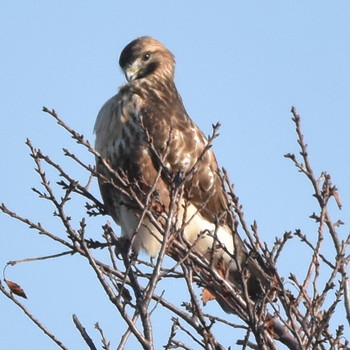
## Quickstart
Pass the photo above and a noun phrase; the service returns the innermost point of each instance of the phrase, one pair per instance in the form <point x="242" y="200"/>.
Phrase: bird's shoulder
<point x="116" y="107"/>
<point x="118" y="114"/>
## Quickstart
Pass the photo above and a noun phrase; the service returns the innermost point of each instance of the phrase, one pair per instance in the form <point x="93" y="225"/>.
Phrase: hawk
<point x="145" y="134"/>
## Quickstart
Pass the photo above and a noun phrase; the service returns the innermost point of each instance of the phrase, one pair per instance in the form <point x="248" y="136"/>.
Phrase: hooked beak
<point x="131" y="73"/>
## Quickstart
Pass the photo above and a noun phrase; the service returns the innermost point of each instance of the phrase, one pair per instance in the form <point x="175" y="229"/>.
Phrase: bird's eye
<point x="145" y="57"/>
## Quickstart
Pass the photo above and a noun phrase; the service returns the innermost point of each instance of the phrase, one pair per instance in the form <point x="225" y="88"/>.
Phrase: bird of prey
<point x="145" y="134"/>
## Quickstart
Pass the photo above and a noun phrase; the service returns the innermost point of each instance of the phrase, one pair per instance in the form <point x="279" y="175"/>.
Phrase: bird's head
<point x="146" y="57"/>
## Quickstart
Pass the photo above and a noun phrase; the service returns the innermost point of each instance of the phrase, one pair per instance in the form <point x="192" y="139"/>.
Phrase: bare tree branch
<point x="301" y="317"/>
<point x="83" y="333"/>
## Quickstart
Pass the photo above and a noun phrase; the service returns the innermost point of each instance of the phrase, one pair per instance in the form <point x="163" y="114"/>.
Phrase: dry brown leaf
<point x="337" y="199"/>
<point x="271" y="329"/>
<point x="124" y="293"/>
<point x="16" y="289"/>
<point x="207" y="295"/>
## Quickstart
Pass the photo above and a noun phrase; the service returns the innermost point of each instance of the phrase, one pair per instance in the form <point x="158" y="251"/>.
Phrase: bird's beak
<point x="131" y="73"/>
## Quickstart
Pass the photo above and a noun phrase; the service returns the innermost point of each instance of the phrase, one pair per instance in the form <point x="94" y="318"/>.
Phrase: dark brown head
<point x="146" y="57"/>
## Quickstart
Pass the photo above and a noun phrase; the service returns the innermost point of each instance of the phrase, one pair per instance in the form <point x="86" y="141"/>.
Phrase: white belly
<point x="149" y="239"/>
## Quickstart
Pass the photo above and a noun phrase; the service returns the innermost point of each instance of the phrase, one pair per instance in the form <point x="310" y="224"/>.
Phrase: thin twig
<point x="32" y="318"/>
<point x="83" y="333"/>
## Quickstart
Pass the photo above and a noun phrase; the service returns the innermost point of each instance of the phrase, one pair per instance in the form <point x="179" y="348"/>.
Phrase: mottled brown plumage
<point x="149" y="108"/>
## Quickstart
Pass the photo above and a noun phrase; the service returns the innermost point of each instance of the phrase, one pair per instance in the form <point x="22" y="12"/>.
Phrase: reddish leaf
<point x="207" y="295"/>
<point x="16" y="289"/>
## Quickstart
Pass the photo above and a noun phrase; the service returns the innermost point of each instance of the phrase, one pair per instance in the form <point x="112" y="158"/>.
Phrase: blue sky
<point x="241" y="63"/>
